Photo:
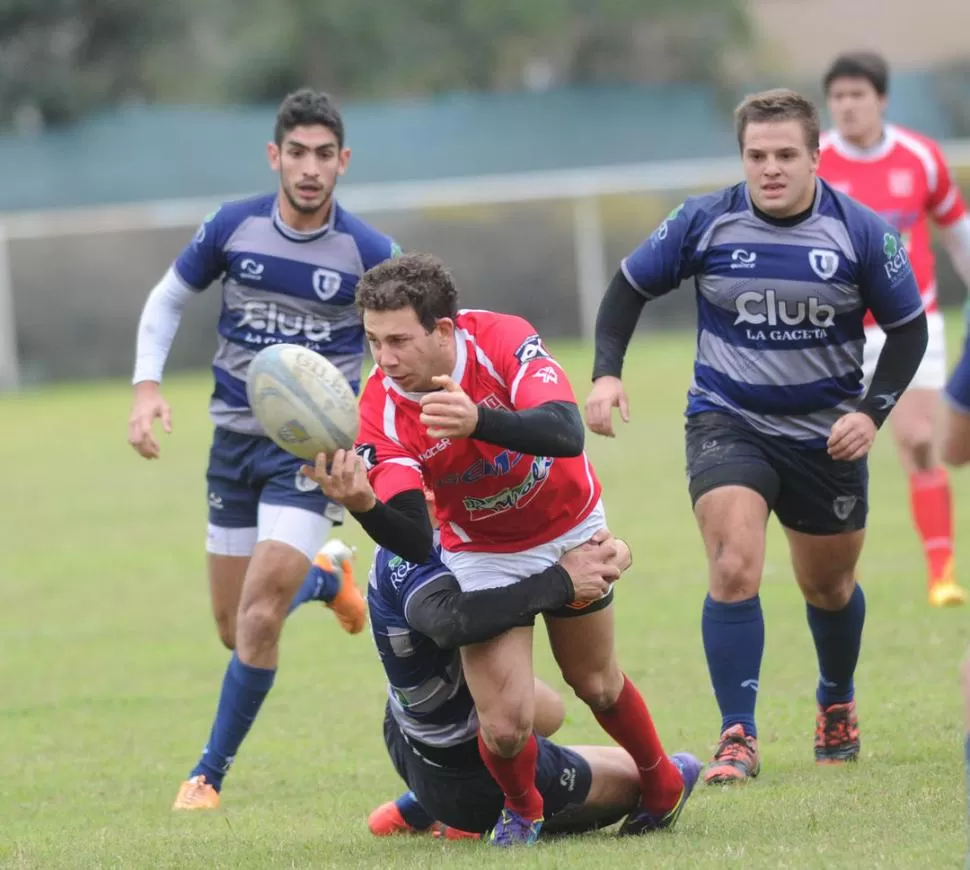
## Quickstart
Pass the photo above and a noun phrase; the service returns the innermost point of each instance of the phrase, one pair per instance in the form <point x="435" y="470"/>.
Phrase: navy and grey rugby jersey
<point x="779" y="308"/>
<point x="279" y="285"/>
<point x="426" y="685"/>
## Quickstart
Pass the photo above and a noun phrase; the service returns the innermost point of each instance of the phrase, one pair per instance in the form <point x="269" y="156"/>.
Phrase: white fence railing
<point x="582" y="187"/>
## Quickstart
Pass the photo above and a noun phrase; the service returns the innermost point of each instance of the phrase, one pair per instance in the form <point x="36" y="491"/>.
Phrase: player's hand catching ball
<point x="148" y="407"/>
<point x="852" y="436"/>
<point x="449" y="412"/>
<point x="607" y="394"/>
<point x="346" y="481"/>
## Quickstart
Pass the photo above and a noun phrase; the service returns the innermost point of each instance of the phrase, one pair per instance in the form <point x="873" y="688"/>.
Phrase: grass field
<point x="110" y="667"/>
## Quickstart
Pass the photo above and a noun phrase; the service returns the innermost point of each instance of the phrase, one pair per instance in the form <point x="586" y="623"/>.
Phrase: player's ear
<point x="273" y="155"/>
<point x="444" y="328"/>
<point x="344" y="161"/>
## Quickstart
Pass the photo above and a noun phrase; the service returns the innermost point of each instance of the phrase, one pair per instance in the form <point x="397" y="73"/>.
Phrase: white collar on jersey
<point x="461" y="359"/>
<point x="284" y="229"/>
<point x="853" y="152"/>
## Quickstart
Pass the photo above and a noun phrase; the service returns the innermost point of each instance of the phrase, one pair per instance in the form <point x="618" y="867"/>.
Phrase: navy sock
<point x="318" y="585"/>
<point x="412" y="812"/>
<point x="734" y="642"/>
<point x="243" y="690"/>
<point x="838" y="639"/>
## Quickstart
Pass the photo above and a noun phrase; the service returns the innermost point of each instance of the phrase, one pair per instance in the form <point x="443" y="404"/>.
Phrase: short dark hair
<point x="306" y="108"/>
<point x="860" y="65"/>
<point x="779" y="104"/>
<point x="418" y="281"/>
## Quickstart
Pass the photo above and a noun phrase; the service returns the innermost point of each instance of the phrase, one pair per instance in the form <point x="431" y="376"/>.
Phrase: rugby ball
<point x="303" y="402"/>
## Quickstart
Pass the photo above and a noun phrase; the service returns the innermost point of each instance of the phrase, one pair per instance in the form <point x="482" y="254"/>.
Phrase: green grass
<point x="111" y="666"/>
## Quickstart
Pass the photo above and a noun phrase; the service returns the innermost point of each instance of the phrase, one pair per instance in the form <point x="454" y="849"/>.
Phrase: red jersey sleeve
<point x="532" y="375"/>
<point x="391" y="468"/>
<point x="945" y="203"/>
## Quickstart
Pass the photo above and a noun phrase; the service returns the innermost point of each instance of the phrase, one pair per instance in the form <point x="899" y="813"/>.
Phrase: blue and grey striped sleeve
<point x="666" y="258"/>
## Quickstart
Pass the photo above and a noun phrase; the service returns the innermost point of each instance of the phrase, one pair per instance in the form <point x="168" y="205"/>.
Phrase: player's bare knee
<point x="550" y="711"/>
<point x="260" y="622"/>
<point x="917" y="444"/>
<point x="226" y="626"/>
<point x="831" y="592"/>
<point x="955" y="449"/>
<point x="735" y="574"/>
<point x="507" y="735"/>
<point x="597" y="689"/>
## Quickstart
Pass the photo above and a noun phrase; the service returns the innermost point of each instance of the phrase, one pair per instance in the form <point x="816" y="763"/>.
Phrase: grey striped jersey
<point x="279" y="285"/>
<point x="425" y="684"/>
<point x="780" y="305"/>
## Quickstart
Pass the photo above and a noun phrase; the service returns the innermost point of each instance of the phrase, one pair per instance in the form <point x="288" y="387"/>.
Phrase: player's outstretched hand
<point x="592" y="568"/>
<point x="148" y="407"/>
<point x="852" y="436"/>
<point x="345" y="482"/>
<point x="449" y="412"/>
<point x="607" y="394"/>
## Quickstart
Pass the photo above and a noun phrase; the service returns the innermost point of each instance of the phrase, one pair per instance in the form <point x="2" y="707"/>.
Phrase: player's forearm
<point x="549" y="429"/>
<point x="452" y="618"/>
<point x="401" y="525"/>
<point x="615" y="323"/>
<point x="956" y="240"/>
<point x="897" y="363"/>
<point x="158" y="325"/>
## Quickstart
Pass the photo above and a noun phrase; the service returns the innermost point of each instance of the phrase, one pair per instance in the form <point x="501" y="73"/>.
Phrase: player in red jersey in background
<point x="472" y="403"/>
<point x="904" y="177"/>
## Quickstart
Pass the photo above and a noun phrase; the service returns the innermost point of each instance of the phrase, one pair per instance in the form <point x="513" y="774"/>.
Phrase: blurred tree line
<point x="60" y="59"/>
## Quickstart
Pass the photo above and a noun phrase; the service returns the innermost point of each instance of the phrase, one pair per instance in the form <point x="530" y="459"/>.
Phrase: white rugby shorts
<point x="492" y="570"/>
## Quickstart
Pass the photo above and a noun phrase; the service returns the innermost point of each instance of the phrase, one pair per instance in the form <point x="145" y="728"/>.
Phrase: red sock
<point x="629" y="723"/>
<point x="930" y="500"/>
<point x="516" y="776"/>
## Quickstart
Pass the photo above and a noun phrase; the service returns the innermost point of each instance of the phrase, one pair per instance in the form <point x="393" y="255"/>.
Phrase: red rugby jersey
<point x="906" y="180"/>
<point x="487" y="498"/>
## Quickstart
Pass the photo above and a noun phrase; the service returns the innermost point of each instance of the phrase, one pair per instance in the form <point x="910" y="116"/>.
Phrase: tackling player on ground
<point x="419" y="617"/>
<point x="785" y="269"/>
<point x="288" y="264"/>
<point x="472" y="402"/>
<point x="904" y="177"/>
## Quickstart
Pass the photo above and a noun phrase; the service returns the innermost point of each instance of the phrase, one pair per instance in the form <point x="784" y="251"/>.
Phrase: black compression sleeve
<point x="401" y="526"/>
<point x="897" y="363"/>
<point x="549" y="429"/>
<point x="615" y="323"/>
<point x="452" y="618"/>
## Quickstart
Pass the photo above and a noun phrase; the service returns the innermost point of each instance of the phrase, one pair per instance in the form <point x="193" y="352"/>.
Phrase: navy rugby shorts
<point x="808" y="491"/>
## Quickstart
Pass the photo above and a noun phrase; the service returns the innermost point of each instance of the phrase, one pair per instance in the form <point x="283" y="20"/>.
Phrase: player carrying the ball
<point x="785" y="269"/>
<point x="288" y="263"/>
<point x="473" y="403"/>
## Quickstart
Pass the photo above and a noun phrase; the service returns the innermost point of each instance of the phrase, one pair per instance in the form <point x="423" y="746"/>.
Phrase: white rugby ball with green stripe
<point x="302" y="400"/>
